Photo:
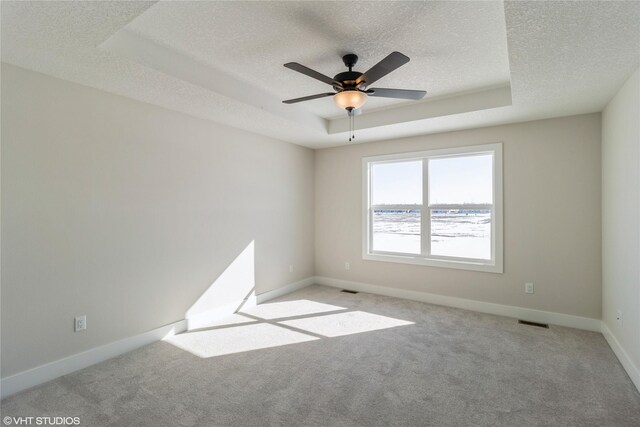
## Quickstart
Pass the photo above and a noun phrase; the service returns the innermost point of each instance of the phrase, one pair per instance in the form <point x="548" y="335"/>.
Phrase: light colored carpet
<point x="325" y="358"/>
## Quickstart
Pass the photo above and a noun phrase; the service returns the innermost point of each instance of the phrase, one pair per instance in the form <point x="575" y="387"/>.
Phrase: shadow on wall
<point x="232" y="290"/>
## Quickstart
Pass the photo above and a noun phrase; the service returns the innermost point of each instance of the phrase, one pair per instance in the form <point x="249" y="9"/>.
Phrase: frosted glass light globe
<point x="350" y="99"/>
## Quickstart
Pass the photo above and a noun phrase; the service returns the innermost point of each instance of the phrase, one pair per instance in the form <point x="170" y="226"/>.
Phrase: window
<point x="441" y="208"/>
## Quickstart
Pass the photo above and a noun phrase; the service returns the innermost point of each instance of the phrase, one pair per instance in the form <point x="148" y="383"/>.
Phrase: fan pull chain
<point x="352" y="124"/>
<point x="353" y="127"/>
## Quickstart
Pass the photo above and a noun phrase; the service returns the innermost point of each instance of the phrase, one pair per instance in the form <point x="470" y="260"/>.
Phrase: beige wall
<point x="127" y="212"/>
<point x="551" y="217"/>
<point x="621" y="216"/>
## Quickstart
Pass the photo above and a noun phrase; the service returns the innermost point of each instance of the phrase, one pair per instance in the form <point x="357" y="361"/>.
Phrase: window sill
<point x="431" y="262"/>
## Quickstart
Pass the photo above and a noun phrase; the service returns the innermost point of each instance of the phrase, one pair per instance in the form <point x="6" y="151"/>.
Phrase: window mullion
<point x="425" y="212"/>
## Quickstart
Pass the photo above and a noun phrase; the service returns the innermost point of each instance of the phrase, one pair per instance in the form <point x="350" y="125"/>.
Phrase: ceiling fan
<point x="352" y="87"/>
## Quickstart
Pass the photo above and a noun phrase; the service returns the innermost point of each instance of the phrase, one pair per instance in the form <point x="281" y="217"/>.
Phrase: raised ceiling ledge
<point x="146" y="52"/>
<point x="483" y="99"/>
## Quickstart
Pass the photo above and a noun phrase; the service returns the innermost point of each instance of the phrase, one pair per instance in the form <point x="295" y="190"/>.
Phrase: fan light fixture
<point x="352" y="87"/>
<point x="350" y="99"/>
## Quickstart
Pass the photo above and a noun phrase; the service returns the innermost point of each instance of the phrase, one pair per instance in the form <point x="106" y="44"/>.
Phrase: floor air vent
<point x="347" y="291"/>
<point x="539" y="325"/>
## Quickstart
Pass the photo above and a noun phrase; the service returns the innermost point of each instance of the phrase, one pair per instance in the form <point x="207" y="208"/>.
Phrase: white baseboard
<point x="621" y="354"/>
<point x="41" y="374"/>
<point x="269" y="295"/>
<point x="205" y="319"/>
<point x="47" y="372"/>
<point x="467" y="304"/>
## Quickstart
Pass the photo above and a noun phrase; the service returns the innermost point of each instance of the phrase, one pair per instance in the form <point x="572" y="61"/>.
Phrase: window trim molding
<point x="497" y="241"/>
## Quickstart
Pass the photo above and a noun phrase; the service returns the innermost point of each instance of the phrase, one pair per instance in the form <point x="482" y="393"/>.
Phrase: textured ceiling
<point x="568" y="53"/>
<point x="252" y="40"/>
<point x="482" y="63"/>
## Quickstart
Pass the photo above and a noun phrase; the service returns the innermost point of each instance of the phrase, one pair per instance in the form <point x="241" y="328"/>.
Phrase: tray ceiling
<point x="482" y="63"/>
<point x="251" y="41"/>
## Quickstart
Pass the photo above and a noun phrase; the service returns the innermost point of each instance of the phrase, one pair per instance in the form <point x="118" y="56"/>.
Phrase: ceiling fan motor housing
<point x="348" y="80"/>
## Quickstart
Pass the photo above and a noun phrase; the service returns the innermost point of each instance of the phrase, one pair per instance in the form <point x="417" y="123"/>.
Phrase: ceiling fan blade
<point x="311" y="73"/>
<point x="308" y="98"/>
<point x="396" y="93"/>
<point x="393" y="61"/>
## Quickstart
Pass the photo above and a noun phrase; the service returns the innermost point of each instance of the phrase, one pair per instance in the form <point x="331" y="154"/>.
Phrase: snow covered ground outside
<point x="455" y="233"/>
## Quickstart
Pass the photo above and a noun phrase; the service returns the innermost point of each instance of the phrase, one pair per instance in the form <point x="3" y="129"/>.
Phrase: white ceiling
<point x="482" y="63"/>
<point x="252" y="40"/>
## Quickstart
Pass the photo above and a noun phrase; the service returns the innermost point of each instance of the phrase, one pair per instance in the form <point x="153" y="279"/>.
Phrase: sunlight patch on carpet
<point x="218" y="342"/>
<point x="353" y="322"/>
<point x="279" y="310"/>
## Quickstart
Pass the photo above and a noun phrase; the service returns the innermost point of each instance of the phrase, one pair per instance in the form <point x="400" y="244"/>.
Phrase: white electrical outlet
<point x="528" y="288"/>
<point x="80" y="323"/>
<point x="347" y="266"/>
<point x="619" y="317"/>
<point x="290" y="268"/>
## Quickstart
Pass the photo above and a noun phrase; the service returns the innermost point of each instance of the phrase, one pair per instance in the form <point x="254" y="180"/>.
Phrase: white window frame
<point x="494" y="265"/>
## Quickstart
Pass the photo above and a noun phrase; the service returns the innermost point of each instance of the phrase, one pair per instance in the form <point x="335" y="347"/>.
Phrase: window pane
<point x="464" y="233"/>
<point x="460" y="180"/>
<point x="396" y="231"/>
<point x="398" y="183"/>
